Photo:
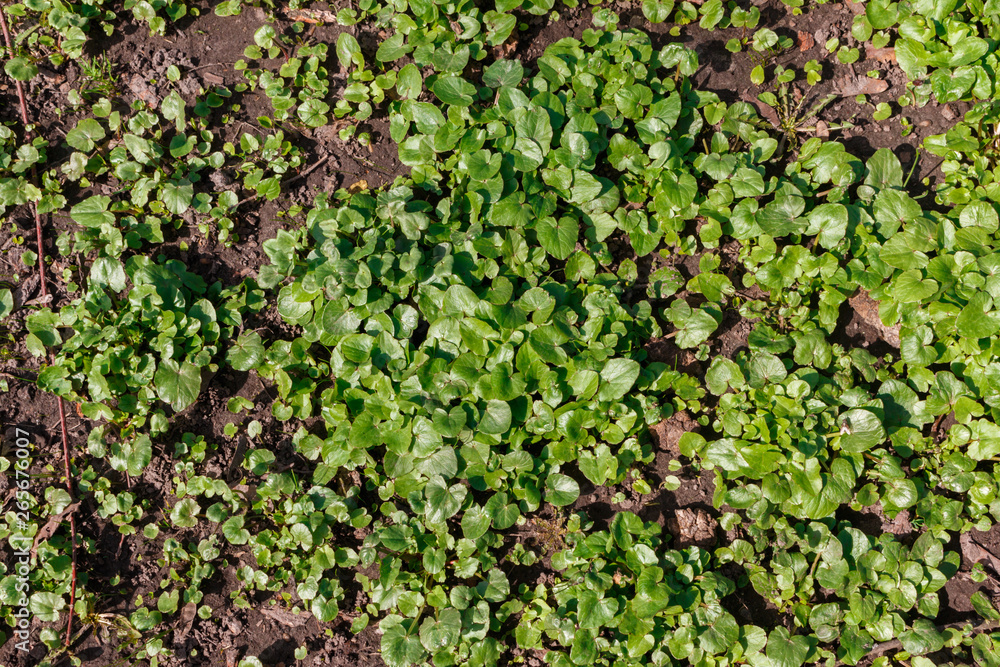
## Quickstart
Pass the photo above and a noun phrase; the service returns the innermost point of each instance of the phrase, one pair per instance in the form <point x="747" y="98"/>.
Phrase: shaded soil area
<point x="123" y="567"/>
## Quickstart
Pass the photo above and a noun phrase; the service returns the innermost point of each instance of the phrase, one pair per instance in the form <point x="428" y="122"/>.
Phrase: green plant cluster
<point x="945" y="45"/>
<point x="127" y="354"/>
<point x="465" y="352"/>
<point x="808" y="427"/>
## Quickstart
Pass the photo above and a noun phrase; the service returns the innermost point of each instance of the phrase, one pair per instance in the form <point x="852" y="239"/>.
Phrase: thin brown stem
<point x="45" y="292"/>
<point x="34" y="175"/>
<point x="293" y="179"/>
<point x="72" y="520"/>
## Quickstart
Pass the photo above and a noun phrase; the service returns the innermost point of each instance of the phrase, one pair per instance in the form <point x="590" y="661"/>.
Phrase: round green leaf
<point x="108" y="272"/>
<point x="46" y="606"/>
<point x="475" y="522"/>
<point x="861" y="430"/>
<point x="977" y="319"/>
<point x="177" y="197"/>
<point x="312" y="112"/>
<point x="503" y="74"/>
<point x="784" y="650"/>
<point x="617" y="378"/>
<point x="558" y="237"/>
<point x="561" y="490"/>
<point x="454" y="90"/>
<point x="93" y="212"/>
<point x="85" y="136"/>
<point x="20" y="69"/>
<point x="442" y="632"/>
<point x="177" y="384"/>
<point x="246" y="352"/>
<point x="443" y="502"/>
<point x="496" y="418"/>
<point x="399" y="647"/>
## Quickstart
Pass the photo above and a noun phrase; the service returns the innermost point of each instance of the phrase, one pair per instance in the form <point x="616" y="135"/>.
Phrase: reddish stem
<point x="34" y="175"/>
<point x="39" y="238"/>
<point x="72" y="519"/>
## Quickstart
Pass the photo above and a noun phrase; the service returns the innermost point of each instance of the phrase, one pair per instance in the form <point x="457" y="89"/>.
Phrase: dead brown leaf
<point x="849" y="86"/>
<point x="286" y="617"/>
<point x="50" y="527"/>
<point x="806" y="40"/>
<point x="886" y="55"/>
<point x="310" y="15"/>
<point x="764" y="110"/>
<point x="187" y="615"/>
<point x="867" y="309"/>
<point x="974" y="552"/>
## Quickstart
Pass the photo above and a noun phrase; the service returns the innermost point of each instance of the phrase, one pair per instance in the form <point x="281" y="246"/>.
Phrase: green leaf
<point x="861" y="430"/>
<point x="167" y="602"/>
<point x="347" y="49"/>
<point x="178" y="384"/>
<point x="496" y="418"/>
<point x="86" y="135"/>
<point x="922" y="638"/>
<point x="172" y="108"/>
<point x="503" y="74"/>
<point x="787" y="651"/>
<point x="724" y="374"/>
<point x="108" y="272"/>
<point x="694" y="325"/>
<point x="46" y="606"/>
<point x="558" y="237"/>
<point x="246" y="352"/>
<point x="234" y="532"/>
<point x="437" y="634"/>
<point x="185" y="513"/>
<point x="177" y="197"/>
<point x="884" y="170"/>
<point x="657" y="11"/>
<point x="391" y="49"/>
<point x="984" y="607"/>
<point x="131" y="456"/>
<point x="617" y="378"/>
<point x="454" y="90"/>
<point x="766" y="368"/>
<point x="475" y="522"/>
<point x="313" y="112"/>
<point x="594" y="612"/>
<point x="911" y="287"/>
<point x="21" y="69"/>
<point x="561" y="490"/>
<point x="828" y="222"/>
<point x="977" y="319"/>
<point x="443" y="502"/>
<point x="980" y="214"/>
<point x="6" y="303"/>
<point x="400" y="648"/>
<point x="984" y="441"/>
<point x="93" y="212"/>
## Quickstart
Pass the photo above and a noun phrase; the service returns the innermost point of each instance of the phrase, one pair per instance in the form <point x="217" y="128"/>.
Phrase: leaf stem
<point x="916" y="158"/>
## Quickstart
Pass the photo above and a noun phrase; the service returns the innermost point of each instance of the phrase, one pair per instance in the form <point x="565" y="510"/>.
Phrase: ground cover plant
<point x="437" y="333"/>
